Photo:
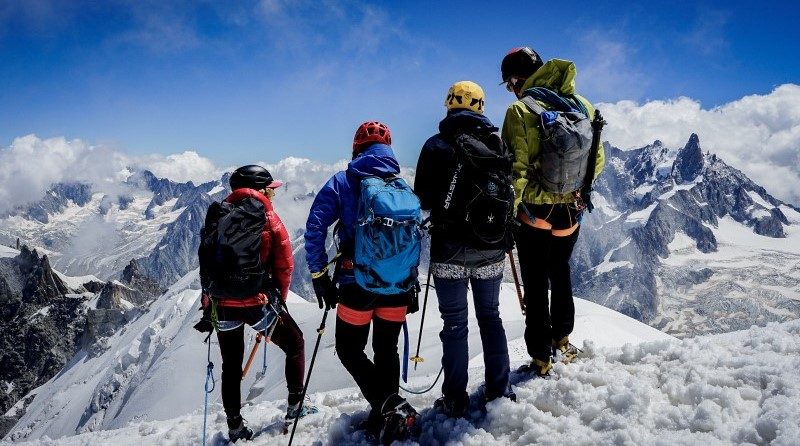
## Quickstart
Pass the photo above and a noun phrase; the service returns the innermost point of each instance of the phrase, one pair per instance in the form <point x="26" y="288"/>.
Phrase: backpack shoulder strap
<point x="532" y="104"/>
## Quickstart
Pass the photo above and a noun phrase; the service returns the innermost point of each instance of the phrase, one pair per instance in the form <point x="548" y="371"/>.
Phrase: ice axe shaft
<point x="516" y="281"/>
<point x="252" y="354"/>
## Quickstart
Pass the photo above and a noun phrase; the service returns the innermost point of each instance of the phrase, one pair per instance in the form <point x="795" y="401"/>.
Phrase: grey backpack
<point x="566" y="141"/>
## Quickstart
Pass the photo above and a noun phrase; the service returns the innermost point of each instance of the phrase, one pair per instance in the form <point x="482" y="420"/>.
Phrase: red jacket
<point x="276" y="250"/>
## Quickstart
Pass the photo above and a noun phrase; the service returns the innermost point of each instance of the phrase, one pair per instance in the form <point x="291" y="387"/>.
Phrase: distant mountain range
<point x="688" y="244"/>
<point x="653" y="249"/>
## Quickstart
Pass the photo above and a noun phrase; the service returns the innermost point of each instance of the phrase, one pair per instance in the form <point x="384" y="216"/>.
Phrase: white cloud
<point x="758" y="134"/>
<point x="30" y="165"/>
<point x="182" y="167"/>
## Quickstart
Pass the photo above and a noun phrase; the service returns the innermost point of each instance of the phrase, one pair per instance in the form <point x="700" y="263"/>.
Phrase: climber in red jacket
<point x="253" y="187"/>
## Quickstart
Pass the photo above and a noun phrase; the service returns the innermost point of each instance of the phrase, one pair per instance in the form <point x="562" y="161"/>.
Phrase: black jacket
<point x="435" y="168"/>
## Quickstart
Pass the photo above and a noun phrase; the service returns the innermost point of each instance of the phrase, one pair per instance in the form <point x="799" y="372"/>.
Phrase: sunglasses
<point x="512" y="82"/>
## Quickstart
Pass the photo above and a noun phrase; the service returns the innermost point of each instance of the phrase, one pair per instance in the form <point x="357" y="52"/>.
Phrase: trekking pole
<point x="208" y="388"/>
<point x="252" y="354"/>
<point x="516" y="281"/>
<point x="320" y="331"/>
<point x="416" y="358"/>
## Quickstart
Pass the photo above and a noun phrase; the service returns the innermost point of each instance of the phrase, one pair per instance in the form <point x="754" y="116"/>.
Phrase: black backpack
<point x="230" y="249"/>
<point x="479" y="201"/>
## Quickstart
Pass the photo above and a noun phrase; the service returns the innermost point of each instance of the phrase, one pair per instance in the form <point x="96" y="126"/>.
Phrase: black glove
<point x="413" y="304"/>
<point x="326" y="291"/>
<point x="205" y="325"/>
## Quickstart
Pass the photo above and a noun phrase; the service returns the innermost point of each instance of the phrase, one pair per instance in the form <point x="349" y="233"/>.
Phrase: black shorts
<point x="560" y="216"/>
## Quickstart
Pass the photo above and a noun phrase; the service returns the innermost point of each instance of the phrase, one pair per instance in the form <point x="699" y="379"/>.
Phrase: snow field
<point x="634" y="385"/>
<point x="735" y="388"/>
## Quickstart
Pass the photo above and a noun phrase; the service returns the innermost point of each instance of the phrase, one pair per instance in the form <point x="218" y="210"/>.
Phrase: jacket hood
<point x="459" y="121"/>
<point x="377" y="160"/>
<point x="557" y="75"/>
<point x="242" y="193"/>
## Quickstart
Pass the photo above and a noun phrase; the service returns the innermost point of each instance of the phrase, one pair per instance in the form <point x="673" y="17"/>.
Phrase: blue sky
<point x="261" y="80"/>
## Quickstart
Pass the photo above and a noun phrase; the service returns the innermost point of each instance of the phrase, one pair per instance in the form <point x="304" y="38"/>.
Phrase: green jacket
<point x="521" y="133"/>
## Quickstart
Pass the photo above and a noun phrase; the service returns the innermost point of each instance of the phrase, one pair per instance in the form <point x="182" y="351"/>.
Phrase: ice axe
<point x="259" y="336"/>
<point x="252" y="354"/>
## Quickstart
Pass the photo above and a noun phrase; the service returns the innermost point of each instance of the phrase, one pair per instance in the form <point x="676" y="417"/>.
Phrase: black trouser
<point x="544" y="263"/>
<point x="379" y="379"/>
<point x="287" y="336"/>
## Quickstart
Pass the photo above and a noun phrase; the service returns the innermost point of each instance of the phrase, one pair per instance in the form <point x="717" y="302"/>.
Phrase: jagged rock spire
<point x="689" y="162"/>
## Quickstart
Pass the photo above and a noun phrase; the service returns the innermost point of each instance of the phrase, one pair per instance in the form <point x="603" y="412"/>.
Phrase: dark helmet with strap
<point x="252" y="176"/>
<point x="520" y="62"/>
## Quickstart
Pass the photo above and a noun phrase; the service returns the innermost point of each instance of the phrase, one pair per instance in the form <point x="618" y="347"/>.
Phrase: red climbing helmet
<point x="371" y="132"/>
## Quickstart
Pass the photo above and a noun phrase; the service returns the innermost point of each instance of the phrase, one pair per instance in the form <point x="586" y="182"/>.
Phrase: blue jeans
<point x="452" y="294"/>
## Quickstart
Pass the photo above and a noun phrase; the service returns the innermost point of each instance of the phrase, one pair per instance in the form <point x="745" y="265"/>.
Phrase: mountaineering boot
<point x="238" y="430"/>
<point x="510" y="395"/>
<point x="399" y="420"/>
<point x="452" y="407"/>
<point x="372" y="426"/>
<point x="299" y="410"/>
<point x="538" y="367"/>
<point x="564" y="351"/>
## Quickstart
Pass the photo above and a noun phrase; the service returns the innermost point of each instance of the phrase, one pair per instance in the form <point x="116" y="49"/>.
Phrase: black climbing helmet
<point x="520" y="62"/>
<point x="252" y="176"/>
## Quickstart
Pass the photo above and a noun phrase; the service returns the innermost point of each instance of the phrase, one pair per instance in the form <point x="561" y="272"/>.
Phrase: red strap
<point x="232" y="302"/>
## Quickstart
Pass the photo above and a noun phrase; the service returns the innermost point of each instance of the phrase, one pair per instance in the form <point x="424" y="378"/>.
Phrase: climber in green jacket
<point x="550" y="219"/>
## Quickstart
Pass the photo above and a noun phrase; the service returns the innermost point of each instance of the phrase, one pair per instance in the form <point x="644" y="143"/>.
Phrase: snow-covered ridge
<point x="735" y="388"/>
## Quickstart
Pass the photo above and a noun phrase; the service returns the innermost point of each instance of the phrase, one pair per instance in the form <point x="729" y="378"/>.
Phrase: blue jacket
<point x="338" y="200"/>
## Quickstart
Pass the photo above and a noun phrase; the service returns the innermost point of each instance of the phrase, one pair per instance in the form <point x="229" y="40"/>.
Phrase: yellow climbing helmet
<point x="465" y="94"/>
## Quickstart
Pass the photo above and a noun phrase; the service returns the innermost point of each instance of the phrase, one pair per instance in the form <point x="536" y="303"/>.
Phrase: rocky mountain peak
<point x="131" y="272"/>
<point x="41" y="283"/>
<point x="134" y="276"/>
<point x="689" y="162"/>
<point x="56" y="199"/>
<point x="39" y="323"/>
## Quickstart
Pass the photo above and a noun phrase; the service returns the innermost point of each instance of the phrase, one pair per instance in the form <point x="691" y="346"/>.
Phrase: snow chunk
<point x="643" y="189"/>
<point x="759" y="200"/>
<point x="641" y="217"/>
<point x="76" y="282"/>
<point x="5" y="251"/>
<point x="215" y="190"/>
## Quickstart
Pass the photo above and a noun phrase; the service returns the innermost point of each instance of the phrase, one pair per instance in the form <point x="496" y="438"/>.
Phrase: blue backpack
<point x="387" y="237"/>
